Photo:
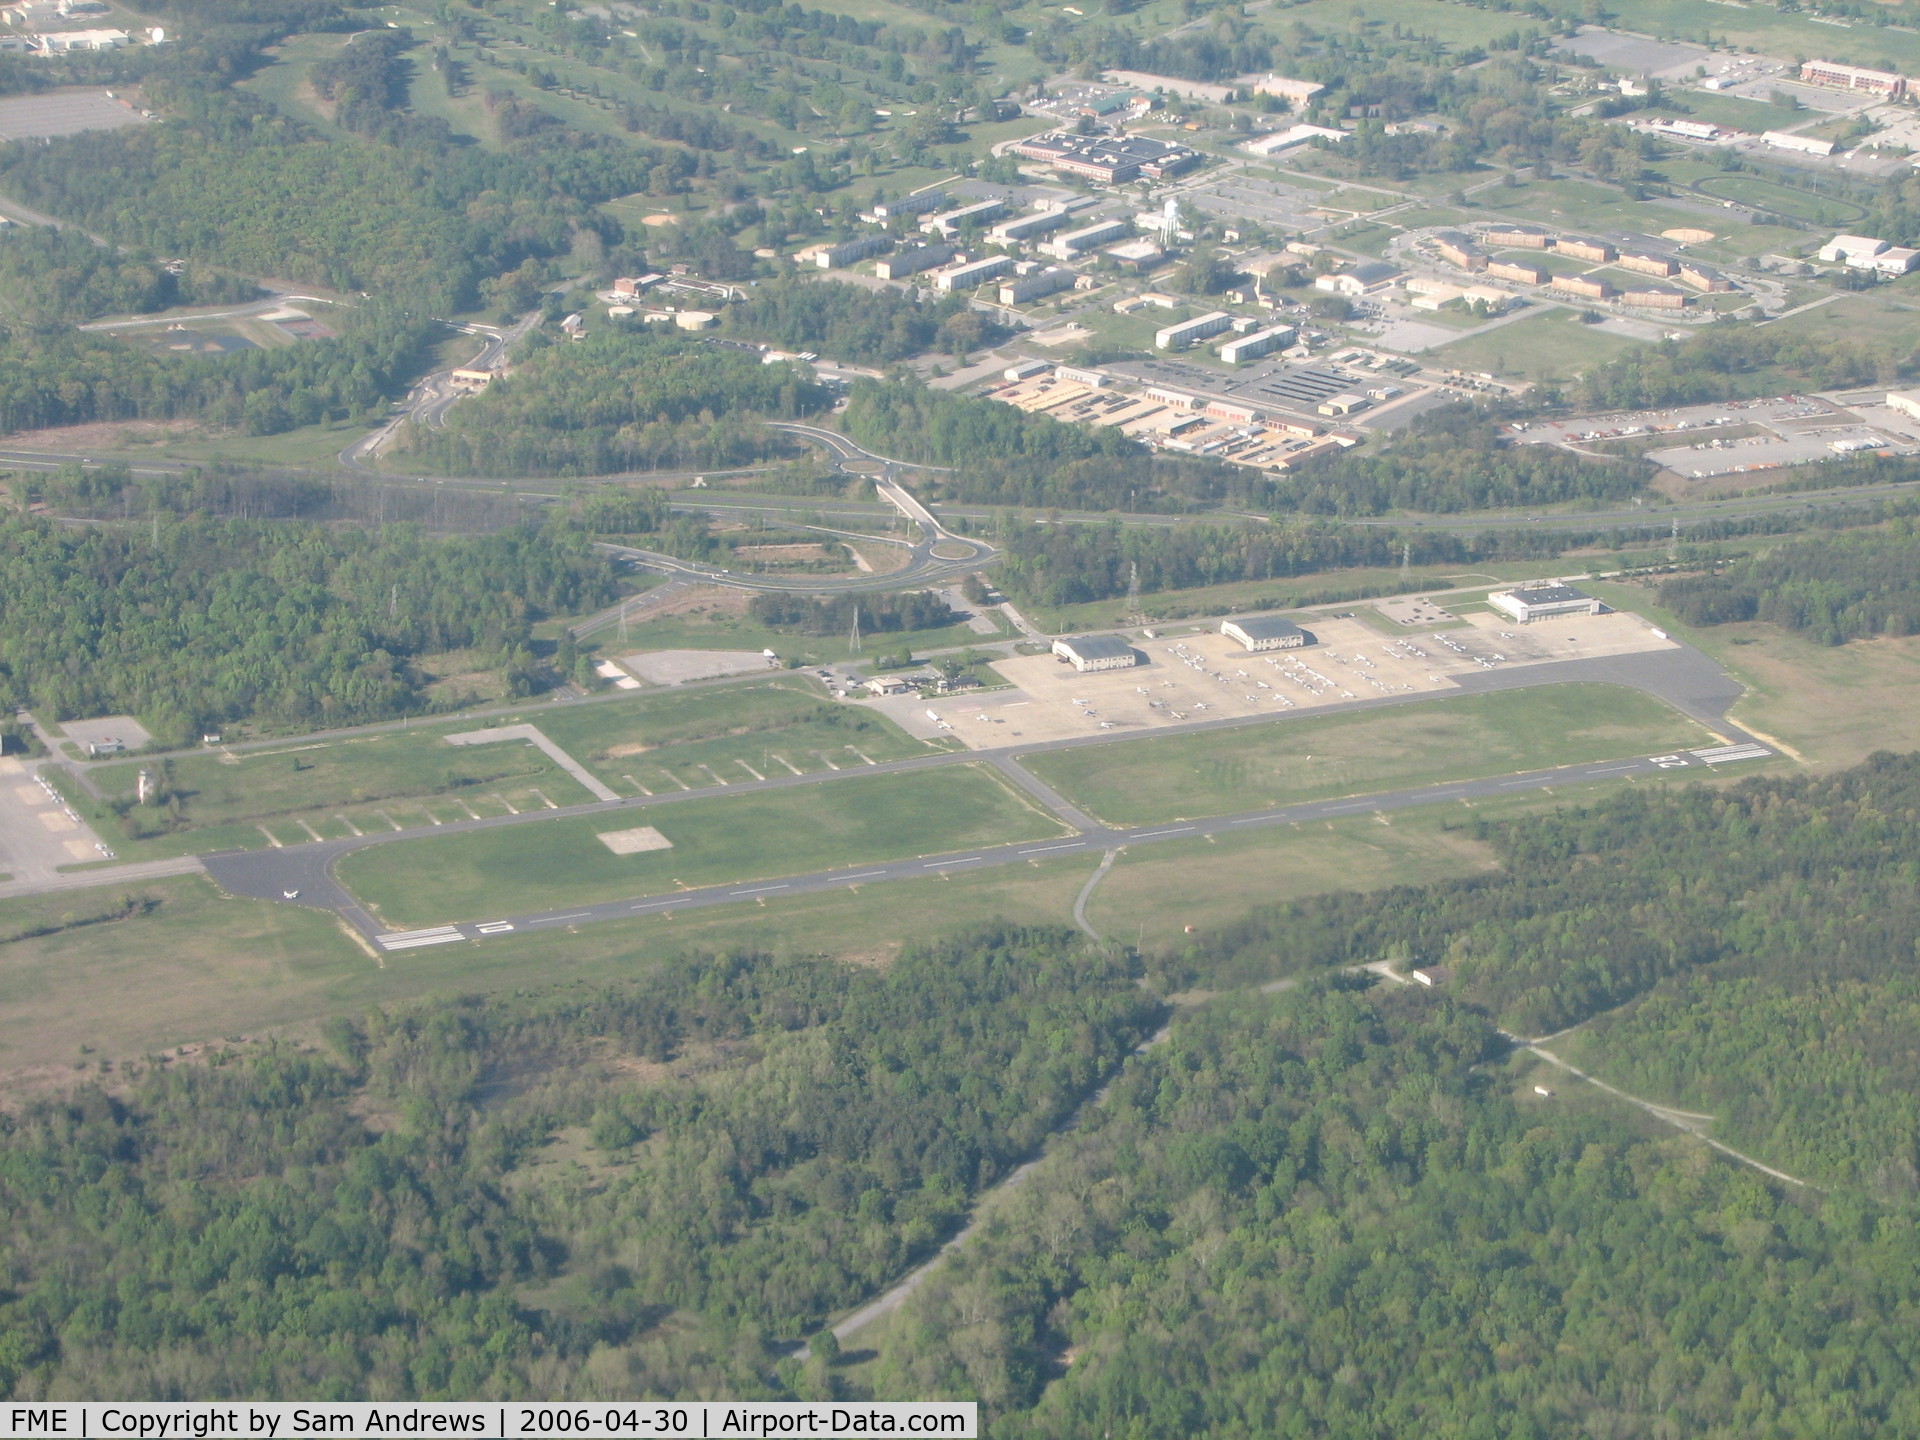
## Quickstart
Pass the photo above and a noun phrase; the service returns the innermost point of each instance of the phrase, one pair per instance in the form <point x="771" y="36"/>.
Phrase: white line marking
<point x="495" y="927"/>
<point x="418" y="934"/>
<point x="1616" y="769"/>
<point x="759" y="890"/>
<point x="1069" y="845"/>
<point x="863" y="875"/>
<point x="968" y="861"/>
<point x="1149" y="834"/>
<point x="556" y="919"/>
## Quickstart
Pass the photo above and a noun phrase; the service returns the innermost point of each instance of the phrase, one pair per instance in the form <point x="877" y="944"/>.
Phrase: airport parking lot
<point x="1199" y="676"/>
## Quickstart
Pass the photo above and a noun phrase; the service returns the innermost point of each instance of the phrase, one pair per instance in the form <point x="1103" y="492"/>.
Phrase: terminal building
<point x="1264" y="632"/>
<point x="1529" y="603"/>
<point x="1096" y="652"/>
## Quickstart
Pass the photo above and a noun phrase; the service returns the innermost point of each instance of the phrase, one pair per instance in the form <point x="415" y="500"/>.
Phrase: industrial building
<point x="1655" y="297"/>
<point x="1645" y="263"/>
<point x="1366" y="278"/>
<point x="1582" y="249"/>
<point x="1865" y="252"/>
<point x="1115" y="159"/>
<point x="1296" y="135"/>
<point x="1804" y="144"/>
<point x="1518" y="270"/>
<point x="1035" y="286"/>
<point x="838" y="257"/>
<point x="1519" y="237"/>
<point x="1184" y="333"/>
<point x="1264" y="632"/>
<point x="1096" y="652"/>
<point x="1584" y="286"/>
<point x="1075" y="243"/>
<point x="1458" y="249"/>
<point x="1836" y="76"/>
<point x="1261" y="342"/>
<point x="911" y="205"/>
<point x="1538" y="602"/>
<point x="912" y="261"/>
<point x="1026" y="227"/>
<point x="949" y="223"/>
<point x="973" y="274"/>
<point x="1297" y="93"/>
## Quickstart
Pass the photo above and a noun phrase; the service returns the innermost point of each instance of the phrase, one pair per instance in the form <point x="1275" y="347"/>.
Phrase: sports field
<point x="517" y="869"/>
<point x="1141" y="782"/>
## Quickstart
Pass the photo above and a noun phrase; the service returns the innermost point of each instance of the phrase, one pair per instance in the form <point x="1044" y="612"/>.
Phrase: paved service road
<point x="1684" y="678"/>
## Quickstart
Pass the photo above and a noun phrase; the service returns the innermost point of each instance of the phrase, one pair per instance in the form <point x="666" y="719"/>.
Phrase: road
<point x="428" y="402"/>
<point x="1684" y="678"/>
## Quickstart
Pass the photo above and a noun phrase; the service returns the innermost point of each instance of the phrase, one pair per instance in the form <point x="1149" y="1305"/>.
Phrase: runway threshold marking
<point x="414" y="939"/>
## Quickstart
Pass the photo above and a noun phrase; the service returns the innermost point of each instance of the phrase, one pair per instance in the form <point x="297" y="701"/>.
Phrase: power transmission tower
<point x="1406" y="561"/>
<point x="1133" y="590"/>
<point x="853" y="641"/>
<point x="1673" y="543"/>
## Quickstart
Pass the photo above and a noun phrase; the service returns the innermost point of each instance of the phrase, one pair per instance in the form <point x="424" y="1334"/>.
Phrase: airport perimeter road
<point x="251" y="874"/>
<point x="1684" y="678"/>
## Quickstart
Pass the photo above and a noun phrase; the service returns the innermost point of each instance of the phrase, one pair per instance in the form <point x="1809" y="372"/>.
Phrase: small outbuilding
<point x="1538" y="602"/>
<point x="1264" y="632"/>
<point x="1096" y="652"/>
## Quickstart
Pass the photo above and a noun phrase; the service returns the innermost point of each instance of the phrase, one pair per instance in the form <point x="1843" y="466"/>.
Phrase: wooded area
<point x="1834" y="588"/>
<point x="758" y="1143"/>
<point x="621" y="400"/>
<point x="195" y="622"/>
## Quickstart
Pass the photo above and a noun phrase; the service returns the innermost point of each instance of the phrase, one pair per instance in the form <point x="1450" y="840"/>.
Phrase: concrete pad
<point x="676" y="667"/>
<point x="82" y="850"/>
<point x="54" y="820"/>
<point x="1203" y="676"/>
<point x="32" y="795"/>
<point x="124" y="728"/>
<point x="634" y="842"/>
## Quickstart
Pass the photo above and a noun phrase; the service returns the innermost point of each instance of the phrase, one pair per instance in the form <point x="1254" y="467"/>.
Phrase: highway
<point x="1684" y="678"/>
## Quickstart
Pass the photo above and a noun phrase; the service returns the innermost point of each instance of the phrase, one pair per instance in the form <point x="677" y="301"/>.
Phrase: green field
<point x="746" y="837"/>
<point x="1797" y="204"/>
<point x="1769" y="31"/>
<point x="684" y="739"/>
<point x="1141" y="782"/>
<point x="329" y="787"/>
<point x="1549" y="345"/>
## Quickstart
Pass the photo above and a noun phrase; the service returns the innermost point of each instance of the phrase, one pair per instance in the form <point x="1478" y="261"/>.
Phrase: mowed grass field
<point x="1140" y="782"/>
<point x="692" y="739"/>
<point x="480" y="874"/>
<point x="331" y="787"/>
<point x="1551" y="345"/>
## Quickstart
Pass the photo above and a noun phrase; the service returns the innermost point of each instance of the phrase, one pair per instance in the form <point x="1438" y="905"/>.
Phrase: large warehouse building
<point x="1264" y="632"/>
<point x="1096" y="652"/>
<point x="1538" y="602"/>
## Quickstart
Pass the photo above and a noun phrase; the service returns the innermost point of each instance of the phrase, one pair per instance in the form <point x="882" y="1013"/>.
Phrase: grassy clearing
<point x="673" y="740"/>
<point x="1139" y="782"/>
<point x="1798" y="204"/>
<point x="329" y="788"/>
<point x="719" y="628"/>
<point x="746" y="837"/>
<point x="1769" y="31"/>
<point x="1552" y="345"/>
<point x="1833" y="704"/>
<point x="197" y="967"/>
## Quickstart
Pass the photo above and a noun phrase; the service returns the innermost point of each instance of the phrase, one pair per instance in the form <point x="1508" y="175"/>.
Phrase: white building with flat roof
<point x="1182" y="334"/>
<point x="1264" y="632"/>
<point x="1096" y="652"/>
<point x="1528" y="603"/>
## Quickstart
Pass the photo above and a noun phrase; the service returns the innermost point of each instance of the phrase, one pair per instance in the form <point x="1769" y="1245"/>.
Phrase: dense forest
<point x="849" y="322"/>
<point x="1326" y="1214"/>
<point x="1833" y="588"/>
<point x="879" y="614"/>
<point x="1730" y="360"/>
<point x="761" y="1143"/>
<point x="195" y="622"/>
<point x="49" y="275"/>
<point x="53" y="376"/>
<point x="622" y="399"/>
